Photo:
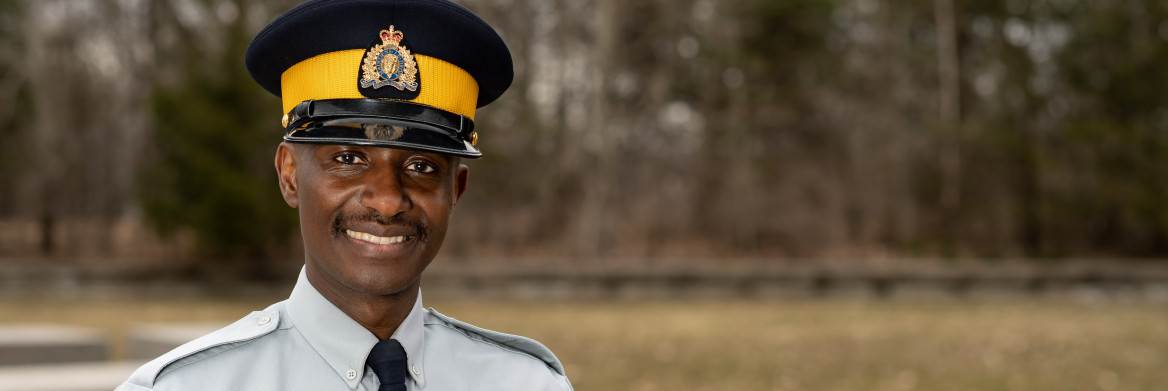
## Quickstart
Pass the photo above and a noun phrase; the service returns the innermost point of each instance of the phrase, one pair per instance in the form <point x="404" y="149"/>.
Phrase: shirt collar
<point x="342" y="342"/>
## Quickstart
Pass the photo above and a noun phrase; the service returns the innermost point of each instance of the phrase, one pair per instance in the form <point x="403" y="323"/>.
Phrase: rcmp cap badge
<point x="389" y="63"/>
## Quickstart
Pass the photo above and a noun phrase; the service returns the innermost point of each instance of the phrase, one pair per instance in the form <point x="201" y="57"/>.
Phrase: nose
<point x="385" y="194"/>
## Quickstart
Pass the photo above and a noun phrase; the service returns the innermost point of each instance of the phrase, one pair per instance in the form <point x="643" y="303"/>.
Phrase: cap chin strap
<point x="312" y="111"/>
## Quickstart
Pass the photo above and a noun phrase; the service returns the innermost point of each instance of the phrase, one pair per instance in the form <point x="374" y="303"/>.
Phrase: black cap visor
<point x="392" y="124"/>
<point x="382" y="133"/>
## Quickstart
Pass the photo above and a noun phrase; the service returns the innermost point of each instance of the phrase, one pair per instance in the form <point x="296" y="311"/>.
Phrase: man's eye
<point x="421" y="167"/>
<point x="349" y="158"/>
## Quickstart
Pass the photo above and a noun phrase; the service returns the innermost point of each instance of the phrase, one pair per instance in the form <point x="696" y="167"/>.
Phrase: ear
<point x="460" y="180"/>
<point x="286" y="173"/>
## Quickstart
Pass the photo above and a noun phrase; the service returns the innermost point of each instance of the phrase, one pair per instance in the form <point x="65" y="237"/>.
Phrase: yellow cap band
<point x="334" y="76"/>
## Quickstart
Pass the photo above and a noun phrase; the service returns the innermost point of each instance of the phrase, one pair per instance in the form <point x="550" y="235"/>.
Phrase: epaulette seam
<point x="513" y="342"/>
<point x="180" y="364"/>
<point x="229" y="346"/>
<point x="181" y="361"/>
<point x="490" y="342"/>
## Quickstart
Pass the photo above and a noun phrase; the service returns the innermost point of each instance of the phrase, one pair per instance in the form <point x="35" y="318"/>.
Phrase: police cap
<point x="397" y="73"/>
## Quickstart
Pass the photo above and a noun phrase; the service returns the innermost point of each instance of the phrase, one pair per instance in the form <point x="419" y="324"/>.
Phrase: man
<point x="380" y="97"/>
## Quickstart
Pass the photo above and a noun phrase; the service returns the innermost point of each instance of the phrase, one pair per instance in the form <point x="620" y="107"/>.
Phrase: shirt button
<point x="351" y="374"/>
<point x="264" y="320"/>
<point x="417" y="371"/>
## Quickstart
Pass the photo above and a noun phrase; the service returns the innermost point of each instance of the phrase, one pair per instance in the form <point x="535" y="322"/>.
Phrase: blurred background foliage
<point x="214" y="173"/>
<point x="645" y="128"/>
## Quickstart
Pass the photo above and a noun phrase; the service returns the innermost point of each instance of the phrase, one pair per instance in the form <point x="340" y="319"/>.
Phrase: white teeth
<point x="374" y="238"/>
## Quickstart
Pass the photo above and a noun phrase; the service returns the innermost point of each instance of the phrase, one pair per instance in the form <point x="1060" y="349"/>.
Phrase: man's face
<point x="372" y="218"/>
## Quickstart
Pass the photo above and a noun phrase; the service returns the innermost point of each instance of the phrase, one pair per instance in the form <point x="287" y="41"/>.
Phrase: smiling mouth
<point x="344" y="225"/>
<point x="362" y="236"/>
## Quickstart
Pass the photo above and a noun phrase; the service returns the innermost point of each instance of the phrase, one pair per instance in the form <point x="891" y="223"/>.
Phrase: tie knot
<point x="388" y="361"/>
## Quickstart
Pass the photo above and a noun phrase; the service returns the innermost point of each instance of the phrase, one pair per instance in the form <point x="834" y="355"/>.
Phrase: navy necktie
<point x="388" y="361"/>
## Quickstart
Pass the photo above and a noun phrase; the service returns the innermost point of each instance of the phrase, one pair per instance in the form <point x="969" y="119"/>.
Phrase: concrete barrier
<point x="46" y="343"/>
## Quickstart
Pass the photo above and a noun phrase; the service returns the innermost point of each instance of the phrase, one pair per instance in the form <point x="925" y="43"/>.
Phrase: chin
<point x="381" y="281"/>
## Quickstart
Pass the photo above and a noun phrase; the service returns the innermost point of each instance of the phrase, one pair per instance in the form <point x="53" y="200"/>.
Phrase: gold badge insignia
<point x="389" y="64"/>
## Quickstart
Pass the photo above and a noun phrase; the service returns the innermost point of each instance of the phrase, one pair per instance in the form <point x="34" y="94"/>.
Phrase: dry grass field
<point x="820" y="345"/>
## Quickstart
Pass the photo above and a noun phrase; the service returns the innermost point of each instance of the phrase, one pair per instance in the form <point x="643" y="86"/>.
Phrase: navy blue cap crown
<point x="395" y="73"/>
<point x="435" y="28"/>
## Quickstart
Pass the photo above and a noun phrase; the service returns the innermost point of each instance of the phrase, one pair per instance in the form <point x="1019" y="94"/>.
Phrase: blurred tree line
<point x="647" y="128"/>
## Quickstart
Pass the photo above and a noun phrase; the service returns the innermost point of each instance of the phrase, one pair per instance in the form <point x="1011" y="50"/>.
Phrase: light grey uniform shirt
<point x="307" y="343"/>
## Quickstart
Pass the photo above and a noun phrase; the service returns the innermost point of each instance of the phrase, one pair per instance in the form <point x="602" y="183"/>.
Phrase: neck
<point x="380" y="314"/>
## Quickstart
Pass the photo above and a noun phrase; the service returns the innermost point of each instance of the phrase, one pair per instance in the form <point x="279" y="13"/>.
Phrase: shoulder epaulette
<point x="518" y="343"/>
<point x="252" y="326"/>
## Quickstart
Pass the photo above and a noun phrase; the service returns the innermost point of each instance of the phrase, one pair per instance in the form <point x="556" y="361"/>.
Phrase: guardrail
<point x="639" y="278"/>
<point x="1141" y="282"/>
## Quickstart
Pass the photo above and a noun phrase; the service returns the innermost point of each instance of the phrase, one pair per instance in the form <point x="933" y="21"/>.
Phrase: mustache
<point x="345" y="219"/>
